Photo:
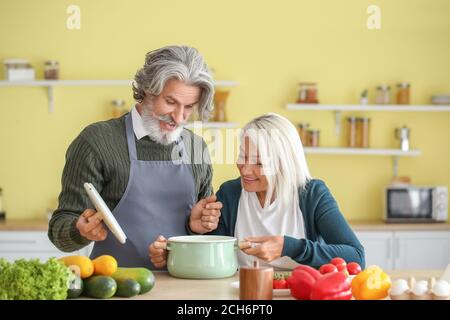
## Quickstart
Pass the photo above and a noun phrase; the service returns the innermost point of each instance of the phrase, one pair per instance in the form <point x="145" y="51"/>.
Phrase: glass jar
<point x="1" y="198"/>
<point x="403" y="93"/>
<point x="2" y="213"/>
<point x="307" y="92"/>
<point x="220" y="101"/>
<point x="351" y="132"/>
<point x="383" y="95"/>
<point x="18" y="69"/>
<point x="302" y="132"/>
<point x="51" y="70"/>
<point x="118" y="108"/>
<point x="362" y="132"/>
<point x="313" y="138"/>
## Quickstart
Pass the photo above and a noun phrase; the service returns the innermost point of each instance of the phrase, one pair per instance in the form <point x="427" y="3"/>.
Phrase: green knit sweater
<point x="100" y="155"/>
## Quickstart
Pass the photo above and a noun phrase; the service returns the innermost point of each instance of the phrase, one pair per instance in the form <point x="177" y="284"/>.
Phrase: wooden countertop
<point x="170" y="288"/>
<point x="24" y="225"/>
<point x="380" y="225"/>
<point x="357" y="225"/>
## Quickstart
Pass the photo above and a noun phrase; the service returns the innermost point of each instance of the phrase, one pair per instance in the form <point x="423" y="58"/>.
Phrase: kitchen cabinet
<point x="378" y="248"/>
<point x="31" y="244"/>
<point x="407" y="250"/>
<point x="422" y="250"/>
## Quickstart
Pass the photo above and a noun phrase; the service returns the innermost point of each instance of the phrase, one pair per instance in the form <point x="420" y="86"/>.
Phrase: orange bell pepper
<point x="371" y="284"/>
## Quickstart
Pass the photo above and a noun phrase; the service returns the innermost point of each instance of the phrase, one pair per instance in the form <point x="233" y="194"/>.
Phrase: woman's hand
<point x="158" y="253"/>
<point x="205" y="215"/>
<point x="266" y="248"/>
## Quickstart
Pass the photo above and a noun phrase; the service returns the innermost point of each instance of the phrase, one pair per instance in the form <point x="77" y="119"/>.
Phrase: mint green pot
<point x="202" y="257"/>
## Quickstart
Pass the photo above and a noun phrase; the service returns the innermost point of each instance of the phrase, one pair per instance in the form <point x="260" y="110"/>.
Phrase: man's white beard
<point x="151" y="124"/>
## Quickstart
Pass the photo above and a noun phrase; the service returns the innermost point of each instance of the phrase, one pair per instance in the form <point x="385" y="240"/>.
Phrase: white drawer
<point x="25" y="241"/>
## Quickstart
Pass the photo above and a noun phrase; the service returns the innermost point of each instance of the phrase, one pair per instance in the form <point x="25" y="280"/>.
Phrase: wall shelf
<point x="370" y="107"/>
<point x="212" y="125"/>
<point x="51" y="84"/>
<point x="394" y="153"/>
<point x="363" y="151"/>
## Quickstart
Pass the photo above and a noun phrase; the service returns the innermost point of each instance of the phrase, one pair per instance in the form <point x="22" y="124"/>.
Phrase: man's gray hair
<point x="175" y="62"/>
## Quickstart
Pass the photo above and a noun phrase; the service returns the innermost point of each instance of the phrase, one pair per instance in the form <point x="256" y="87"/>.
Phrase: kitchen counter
<point x="24" y="225"/>
<point x="357" y="225"/>
<point x="380" y="225"/>
<point x="169" y="288"/>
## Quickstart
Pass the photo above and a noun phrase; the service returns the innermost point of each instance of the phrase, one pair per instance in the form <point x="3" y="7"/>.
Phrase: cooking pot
<point x="202" y="257"/>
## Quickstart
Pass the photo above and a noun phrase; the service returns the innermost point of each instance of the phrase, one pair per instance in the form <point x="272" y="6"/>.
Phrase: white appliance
<point x="406" y="203"/>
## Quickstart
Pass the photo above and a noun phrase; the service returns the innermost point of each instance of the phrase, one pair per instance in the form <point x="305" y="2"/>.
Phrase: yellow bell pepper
<point x="371" y="284"/>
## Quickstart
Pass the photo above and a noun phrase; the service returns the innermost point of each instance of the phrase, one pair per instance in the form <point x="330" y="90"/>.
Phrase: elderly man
<point x="145" y="165"/>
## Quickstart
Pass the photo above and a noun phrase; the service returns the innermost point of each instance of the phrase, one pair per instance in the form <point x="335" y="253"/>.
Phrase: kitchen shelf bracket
<point x="337" y="122"/>
<point x="395" y="165"/>
<point x="51" y="99"/>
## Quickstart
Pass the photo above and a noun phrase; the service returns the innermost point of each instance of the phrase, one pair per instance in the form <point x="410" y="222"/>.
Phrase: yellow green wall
<point x="266" y="45"/>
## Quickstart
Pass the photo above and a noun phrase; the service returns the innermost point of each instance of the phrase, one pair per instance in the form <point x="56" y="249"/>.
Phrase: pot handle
<point x="242" y="245"/>
<point x="166" y="246"/>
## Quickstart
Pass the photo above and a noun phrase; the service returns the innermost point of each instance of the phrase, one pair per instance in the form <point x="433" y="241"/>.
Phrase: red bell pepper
<point x="332" y="286"/>
<point x="302" y="281"/>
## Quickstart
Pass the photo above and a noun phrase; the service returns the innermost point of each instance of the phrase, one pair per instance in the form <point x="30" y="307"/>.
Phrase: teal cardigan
<point x="328" y="234"/>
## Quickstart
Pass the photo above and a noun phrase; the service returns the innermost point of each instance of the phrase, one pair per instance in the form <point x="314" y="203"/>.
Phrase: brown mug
<point x="256" y="283"/>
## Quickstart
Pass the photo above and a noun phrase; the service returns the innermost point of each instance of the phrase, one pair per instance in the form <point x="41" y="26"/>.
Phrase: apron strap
<point x="130" y="137"/>
<point x="182" y="152"/>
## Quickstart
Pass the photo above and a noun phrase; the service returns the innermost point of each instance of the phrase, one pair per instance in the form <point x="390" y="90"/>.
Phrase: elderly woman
<point x="284" y="216"/>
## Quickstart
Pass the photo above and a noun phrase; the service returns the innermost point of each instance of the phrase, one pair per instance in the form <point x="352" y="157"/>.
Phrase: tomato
<point x="327" y="268"/>
<point x="353" y="268"/>
<point x="338" y="261"/>
<point x="280" y="284"/>
<point x="341" y="267"/>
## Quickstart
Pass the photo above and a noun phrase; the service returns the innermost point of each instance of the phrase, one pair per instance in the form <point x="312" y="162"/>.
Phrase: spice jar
<point x="362" y="132"/>
<point x="51" y="70"/>
<point x="220" y="101"/>
<point x="302" y="132"/>
<point x="351" y="132"/>
<point x="118" y="108"/>
<point x="2" y="213"/>
<point x="307" y="93"/>
<point x="383" y="95"/>
<point x="18" y="70"/>
<point x="313" y="138"/>
<point x="403" y="93"/>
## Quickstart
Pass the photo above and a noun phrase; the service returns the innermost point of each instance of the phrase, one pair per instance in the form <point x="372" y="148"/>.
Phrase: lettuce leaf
<point x="33" y="280"/>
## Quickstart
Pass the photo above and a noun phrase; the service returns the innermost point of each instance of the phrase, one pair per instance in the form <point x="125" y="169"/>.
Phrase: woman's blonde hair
<point x="281" y="154"/>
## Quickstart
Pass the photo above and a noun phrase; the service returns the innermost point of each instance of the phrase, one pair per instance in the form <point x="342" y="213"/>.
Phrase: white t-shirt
<point x="255" y="221"/>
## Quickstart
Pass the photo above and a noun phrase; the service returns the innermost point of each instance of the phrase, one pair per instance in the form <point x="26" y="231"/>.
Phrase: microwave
<point x="416" y="204"/>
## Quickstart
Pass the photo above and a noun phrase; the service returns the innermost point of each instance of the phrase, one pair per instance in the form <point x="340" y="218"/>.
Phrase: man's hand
<point x="266" y="248"/>
<point x="158" y="253"/>
<point x="205" y="215"/>
<point x="89" y="225"/>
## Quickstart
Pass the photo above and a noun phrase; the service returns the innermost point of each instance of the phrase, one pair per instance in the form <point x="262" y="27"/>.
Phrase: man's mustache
<point x="168" y="119"/>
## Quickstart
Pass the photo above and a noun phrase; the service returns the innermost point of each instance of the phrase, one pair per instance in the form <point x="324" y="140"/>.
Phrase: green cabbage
<point x="33" y="280"/>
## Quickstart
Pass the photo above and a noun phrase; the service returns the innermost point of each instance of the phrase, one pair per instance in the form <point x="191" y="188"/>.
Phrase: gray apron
<point x="157" y="201"/>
